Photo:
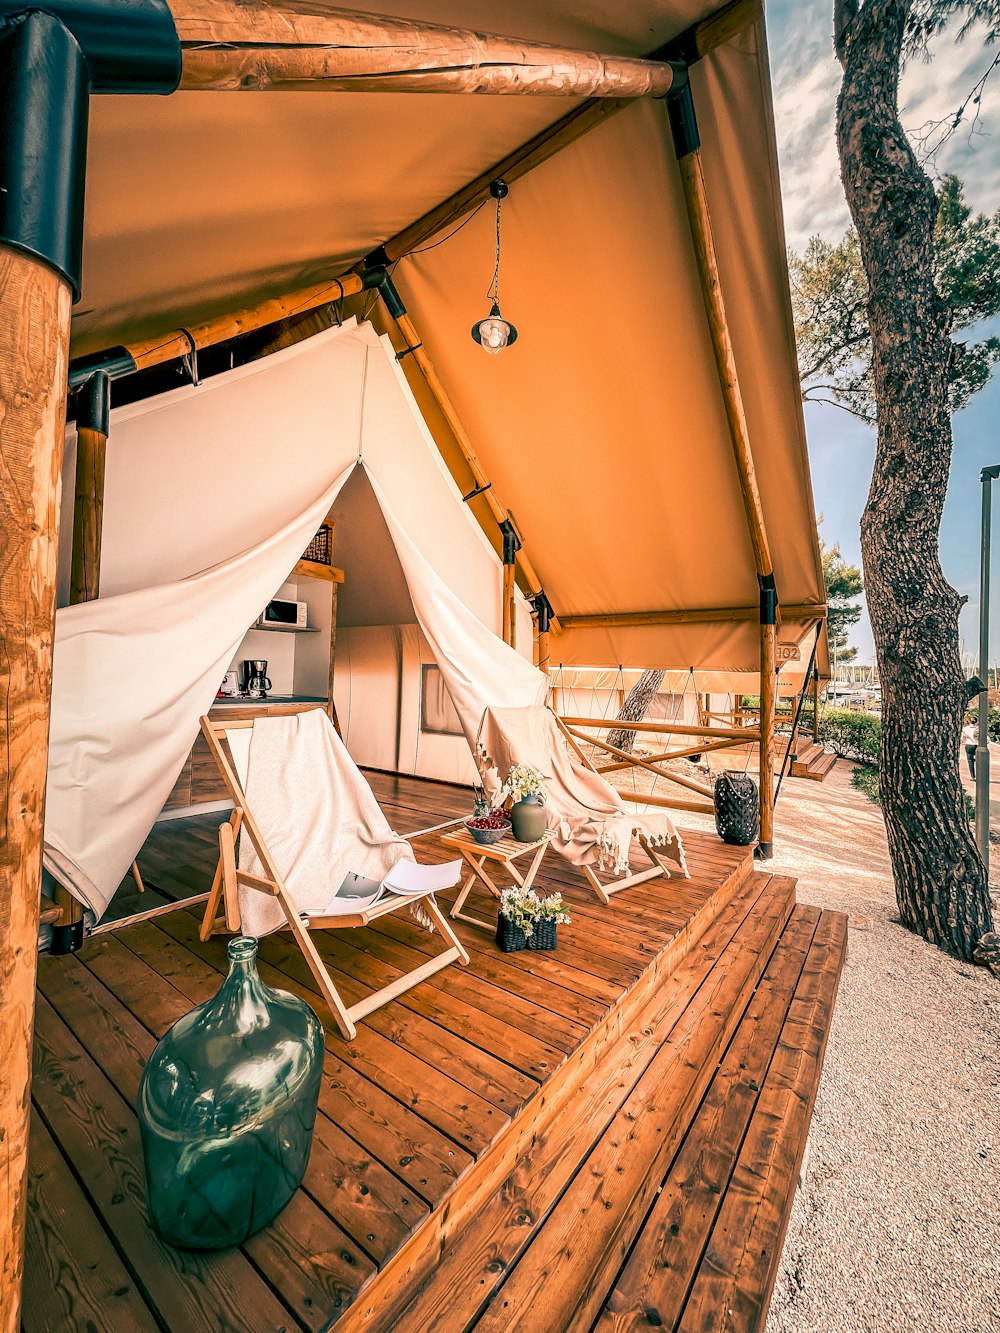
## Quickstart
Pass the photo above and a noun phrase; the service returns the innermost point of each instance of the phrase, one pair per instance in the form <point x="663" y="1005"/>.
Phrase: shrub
<point x="854" y="735"/>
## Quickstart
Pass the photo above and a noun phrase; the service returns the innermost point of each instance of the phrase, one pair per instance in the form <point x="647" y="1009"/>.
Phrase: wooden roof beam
<point x="699" y="616"/>
<point x="691" y="45"/>
<point x="298" y="45"/>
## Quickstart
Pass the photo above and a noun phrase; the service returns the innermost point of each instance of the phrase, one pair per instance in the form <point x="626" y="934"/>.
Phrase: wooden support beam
<point x="174" y="343"/>
<point x="699" y="616"/>
<point x="685" y="753"/>
<point x="634" y="761"/>
<point x="768" y="693"/>
<point x="34" y="347"/>
<point x="88" y="515"/>
<point x="667" y="802"/>
<point x="815" y="690"/>
<point x="661" y="728"/>
<point x="694" y="43"/>
<point x="700" y="221"/>
<point x="543" y="651"/>
<point x="296" y="45"/>
<point x="508" y="631"/>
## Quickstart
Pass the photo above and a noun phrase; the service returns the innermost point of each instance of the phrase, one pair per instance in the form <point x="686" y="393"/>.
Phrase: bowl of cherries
<point x="489" y="826"/>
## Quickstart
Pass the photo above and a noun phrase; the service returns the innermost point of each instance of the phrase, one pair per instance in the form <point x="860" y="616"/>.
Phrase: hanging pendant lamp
<point x="494" y="333"/>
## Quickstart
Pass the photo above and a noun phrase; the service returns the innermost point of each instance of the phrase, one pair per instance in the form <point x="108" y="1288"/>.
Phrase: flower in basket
<point x="525" y="782"/>
<point x="525" y="910"/>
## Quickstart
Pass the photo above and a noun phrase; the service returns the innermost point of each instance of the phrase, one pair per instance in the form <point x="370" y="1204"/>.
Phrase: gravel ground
<point x="897" y="1224"/>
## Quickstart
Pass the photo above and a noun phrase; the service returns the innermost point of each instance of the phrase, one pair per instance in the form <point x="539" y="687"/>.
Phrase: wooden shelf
<point x="286" y="629"/>
<point x="311" y="570"/>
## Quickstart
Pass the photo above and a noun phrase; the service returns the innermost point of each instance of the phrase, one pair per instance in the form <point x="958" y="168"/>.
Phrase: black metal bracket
<point x="66" y="939"/>
<point x="477" y="490"/>
<point x="681" y="112"/>
<point x="543" y="610"/>
<point x="93" y="410"/>
<point x="511" y="541"/>
<point x="768" y="599"/>
<point x="408" y="351"/>
<point x="50" y="63"/>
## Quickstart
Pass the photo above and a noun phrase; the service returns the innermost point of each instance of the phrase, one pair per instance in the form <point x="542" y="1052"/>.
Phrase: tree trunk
<point x="940" y="881"/>
<point x="635" y="707"/>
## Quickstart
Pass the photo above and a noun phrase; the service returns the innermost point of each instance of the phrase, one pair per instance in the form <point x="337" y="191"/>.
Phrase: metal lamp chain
<point x="494" y="291"/>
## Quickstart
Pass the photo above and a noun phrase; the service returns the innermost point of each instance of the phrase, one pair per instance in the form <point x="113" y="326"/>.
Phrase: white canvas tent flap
<point x="193" y="552"/>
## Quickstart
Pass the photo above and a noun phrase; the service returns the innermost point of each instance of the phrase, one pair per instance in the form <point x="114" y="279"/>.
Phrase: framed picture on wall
<point x="438" y="715"/>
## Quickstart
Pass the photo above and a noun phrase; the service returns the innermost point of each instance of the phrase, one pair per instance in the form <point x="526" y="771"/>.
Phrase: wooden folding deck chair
<point x="605" y="888"/>
<point x="229" y="879"/>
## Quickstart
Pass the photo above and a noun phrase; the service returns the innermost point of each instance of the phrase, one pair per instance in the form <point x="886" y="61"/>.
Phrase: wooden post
<point x="238" y="45"/>
<point x="35" y="304"/>
<point x="85" y="580"/>
<point x="815" y="685"/>
<point x="511" y="546"/>
<point x="543" y="618"/>
<point x="331" y="707"/>
<point x="768" y="691"/>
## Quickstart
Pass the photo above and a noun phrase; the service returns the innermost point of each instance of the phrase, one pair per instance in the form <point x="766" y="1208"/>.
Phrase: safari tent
<point x="227" y="322"/>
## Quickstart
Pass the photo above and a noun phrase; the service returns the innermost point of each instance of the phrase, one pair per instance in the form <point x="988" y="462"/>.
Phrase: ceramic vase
<point x="528" y="819"/>
<point x="227" y="1105"/>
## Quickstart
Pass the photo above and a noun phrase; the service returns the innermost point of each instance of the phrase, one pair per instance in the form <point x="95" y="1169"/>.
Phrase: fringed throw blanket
<point x="592" y="826"/>
<point x="318" y="817"/>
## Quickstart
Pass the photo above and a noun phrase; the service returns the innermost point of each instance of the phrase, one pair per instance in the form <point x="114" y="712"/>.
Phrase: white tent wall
<point x="211" y="494"/>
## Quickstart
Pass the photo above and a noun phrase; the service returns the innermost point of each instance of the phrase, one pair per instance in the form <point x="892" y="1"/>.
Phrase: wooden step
<point x="808" y="751"/>
<point x="707" y="1255"/>
<point x="577" y="1195"/>
<point x="817" y="768"/>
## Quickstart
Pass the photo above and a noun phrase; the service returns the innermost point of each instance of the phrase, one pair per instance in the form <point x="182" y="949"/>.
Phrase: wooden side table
<point x="504" y="853"/>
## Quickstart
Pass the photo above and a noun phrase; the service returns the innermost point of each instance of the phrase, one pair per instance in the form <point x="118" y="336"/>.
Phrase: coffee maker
<point x="256" y="682"/>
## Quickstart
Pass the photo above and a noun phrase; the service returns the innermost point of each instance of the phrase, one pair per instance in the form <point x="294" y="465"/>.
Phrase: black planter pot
<point x="737" y="809"/>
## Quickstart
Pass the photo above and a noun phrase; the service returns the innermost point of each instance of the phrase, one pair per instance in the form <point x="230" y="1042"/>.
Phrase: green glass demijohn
<point x="227" y="1105"/>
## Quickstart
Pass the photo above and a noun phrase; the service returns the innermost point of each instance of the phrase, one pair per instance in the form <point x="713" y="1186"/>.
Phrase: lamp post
<point x="987" y="477"/>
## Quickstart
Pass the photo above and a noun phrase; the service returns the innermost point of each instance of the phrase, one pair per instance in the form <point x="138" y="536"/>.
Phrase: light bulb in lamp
<point x="494" y="333"/>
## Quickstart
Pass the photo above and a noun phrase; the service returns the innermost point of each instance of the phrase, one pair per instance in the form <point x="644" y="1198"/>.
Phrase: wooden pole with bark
<point x="249" y="45"/>
<point x="940" y="879"/>
<point x="35" y="306"/>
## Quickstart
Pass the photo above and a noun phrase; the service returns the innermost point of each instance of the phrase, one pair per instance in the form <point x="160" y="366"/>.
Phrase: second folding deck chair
<point x="582" y="803"/>
<point x="229" y="743"/>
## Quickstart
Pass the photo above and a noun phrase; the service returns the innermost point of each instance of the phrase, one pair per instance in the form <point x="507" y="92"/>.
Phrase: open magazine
<point x="406" y="878"/>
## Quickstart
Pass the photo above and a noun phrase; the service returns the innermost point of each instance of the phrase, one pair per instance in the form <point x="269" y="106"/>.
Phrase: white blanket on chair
<point x="316" y="813"/>
<point x="591" y="824"/>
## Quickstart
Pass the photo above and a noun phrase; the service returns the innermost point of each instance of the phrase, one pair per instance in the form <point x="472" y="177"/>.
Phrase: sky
<point x="806" y="79"/>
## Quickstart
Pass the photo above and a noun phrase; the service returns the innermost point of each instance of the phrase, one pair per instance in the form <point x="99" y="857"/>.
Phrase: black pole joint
<point x="543" y="610"/>
<point x="768" y="599"/>
<point x="50" y="63"/>
<point x="511" y="541"/>
<point x="681" y="113"/>
<point x="93" y="409"/>
<point x="391" y="298"/>
<point x="66" y="939"/>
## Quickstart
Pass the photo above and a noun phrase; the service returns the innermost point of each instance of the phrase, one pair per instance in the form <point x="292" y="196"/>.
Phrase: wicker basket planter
<point x="510" y="938"/>
<point x="543" y="936"/>
<point x="737" y="809"/>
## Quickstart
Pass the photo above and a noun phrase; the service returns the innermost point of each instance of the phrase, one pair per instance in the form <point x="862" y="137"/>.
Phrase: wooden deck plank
<point x="536" y="1167"/>
<point x="96" y="1127"/>
<point x="653" y="1285"/>
<point x="304" y="1255"/>
<point x="77" y="1279"/>
<point x="571" y="1262"/>
<point x="374" y="1208"/>
<point x="733" y="1287"/>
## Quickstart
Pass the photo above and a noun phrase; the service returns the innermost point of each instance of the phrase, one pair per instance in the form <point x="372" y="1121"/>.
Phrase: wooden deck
<point x="515" y="1144"/>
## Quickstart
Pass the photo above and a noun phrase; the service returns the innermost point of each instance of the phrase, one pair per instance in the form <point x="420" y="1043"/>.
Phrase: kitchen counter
<point x="271" y="700"/>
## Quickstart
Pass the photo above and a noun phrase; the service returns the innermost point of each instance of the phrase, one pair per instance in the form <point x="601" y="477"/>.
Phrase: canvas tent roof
<point x="603" y="430"/>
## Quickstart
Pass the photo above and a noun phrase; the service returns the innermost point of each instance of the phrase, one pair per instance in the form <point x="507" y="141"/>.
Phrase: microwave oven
<point x="281" y="611"/>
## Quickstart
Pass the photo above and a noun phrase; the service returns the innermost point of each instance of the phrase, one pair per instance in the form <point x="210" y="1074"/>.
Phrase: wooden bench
<point x="672" y="1202"/>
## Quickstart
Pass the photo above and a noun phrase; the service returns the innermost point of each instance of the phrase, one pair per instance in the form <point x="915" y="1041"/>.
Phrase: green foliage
<point x="830" y="295"/>
<point x="865" y="779"/>
<point x="854" y="735"/>
<point x="843" y="583"/>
